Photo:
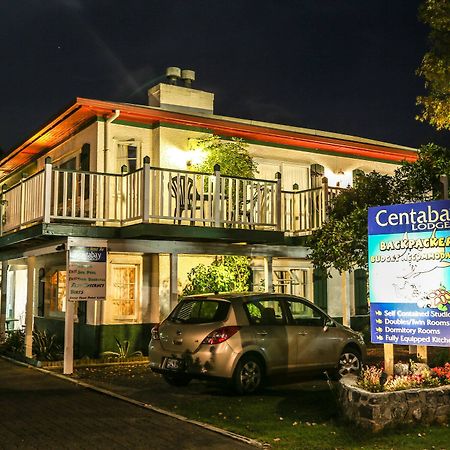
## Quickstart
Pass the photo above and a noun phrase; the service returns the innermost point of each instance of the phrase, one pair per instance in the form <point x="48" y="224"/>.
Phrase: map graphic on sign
<point x="87" y="273"/>
<point x="409" y="273"/>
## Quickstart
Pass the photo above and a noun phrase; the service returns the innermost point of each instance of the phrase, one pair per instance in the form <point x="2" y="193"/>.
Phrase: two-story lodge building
<point x="159" y="219"/>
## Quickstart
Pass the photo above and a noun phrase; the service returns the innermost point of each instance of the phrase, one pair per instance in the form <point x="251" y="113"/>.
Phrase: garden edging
<point x="376" y="411"/>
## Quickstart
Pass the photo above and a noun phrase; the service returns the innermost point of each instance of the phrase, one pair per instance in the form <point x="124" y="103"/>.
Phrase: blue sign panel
<point x="409" y="274"/>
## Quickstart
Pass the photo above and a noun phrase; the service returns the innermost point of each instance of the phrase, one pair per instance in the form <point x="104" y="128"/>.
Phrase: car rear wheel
<point x="349" y="363"/>
<point x="248" y="375"/>
<point x="177" y="379"/>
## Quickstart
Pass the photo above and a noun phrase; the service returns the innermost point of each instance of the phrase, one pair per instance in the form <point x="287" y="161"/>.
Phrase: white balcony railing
<point x="158" y="195"/>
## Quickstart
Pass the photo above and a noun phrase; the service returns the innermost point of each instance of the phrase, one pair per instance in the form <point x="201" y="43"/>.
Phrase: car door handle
<point x="302" y="333"/>
<point x="262" y="333"/>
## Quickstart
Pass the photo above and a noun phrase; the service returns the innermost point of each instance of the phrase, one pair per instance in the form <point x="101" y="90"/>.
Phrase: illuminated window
<point x="57" y="287"/>
<point x="124" y="290"/>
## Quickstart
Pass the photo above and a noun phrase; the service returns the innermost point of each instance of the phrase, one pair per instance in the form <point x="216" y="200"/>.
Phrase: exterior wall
<point x="174" y="146"/>
<point x="72" y="147"/>
<point x="335" y="307"/>
<point x="91" y="341"/>
<point x="121" y="133"/>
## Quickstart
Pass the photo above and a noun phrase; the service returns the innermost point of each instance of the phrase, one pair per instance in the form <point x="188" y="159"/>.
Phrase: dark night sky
<point x="344" y="66"/>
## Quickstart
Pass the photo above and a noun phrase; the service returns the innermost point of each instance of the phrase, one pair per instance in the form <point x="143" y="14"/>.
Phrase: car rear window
<point x="200" y="311"/>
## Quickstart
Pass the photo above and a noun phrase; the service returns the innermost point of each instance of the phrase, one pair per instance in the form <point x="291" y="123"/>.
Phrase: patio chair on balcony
<point x="181" y="188"/>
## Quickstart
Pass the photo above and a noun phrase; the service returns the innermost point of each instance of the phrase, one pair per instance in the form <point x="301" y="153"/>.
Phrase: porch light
<point x="176" y="158"/>
<point x="338" y="177"/>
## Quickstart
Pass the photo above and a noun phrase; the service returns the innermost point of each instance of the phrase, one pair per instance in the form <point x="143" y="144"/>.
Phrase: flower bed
<point x="415" y="394"/>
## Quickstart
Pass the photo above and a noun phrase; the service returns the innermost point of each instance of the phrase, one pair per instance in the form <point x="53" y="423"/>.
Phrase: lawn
<point x="296" y="416"/>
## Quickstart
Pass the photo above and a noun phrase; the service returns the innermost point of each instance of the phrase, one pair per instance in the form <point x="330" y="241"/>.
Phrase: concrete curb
<point x="148" y="406"/>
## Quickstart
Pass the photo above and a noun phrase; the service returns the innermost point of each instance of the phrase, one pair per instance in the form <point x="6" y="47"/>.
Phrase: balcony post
<point x="47" y="188"/>
<point x="3" y="204"/>
<point x="22" y="200"/>
<point x="123" y="193"/>
<point x="146" y="190"/>
<point x="325" y="200"/>
<point x="217" y="195"/>
<point x="278" y="202"/>
<point x="29" y="320"/>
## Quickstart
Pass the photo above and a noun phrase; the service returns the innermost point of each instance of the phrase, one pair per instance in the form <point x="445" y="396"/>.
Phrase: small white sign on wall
<point x="87" y="270"/>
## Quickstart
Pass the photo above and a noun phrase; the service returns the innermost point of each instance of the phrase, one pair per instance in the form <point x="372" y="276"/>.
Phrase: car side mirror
<point x="328" y="324"/>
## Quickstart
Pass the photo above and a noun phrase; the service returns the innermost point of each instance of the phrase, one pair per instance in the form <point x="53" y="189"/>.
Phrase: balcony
<point x="163" y="196"/>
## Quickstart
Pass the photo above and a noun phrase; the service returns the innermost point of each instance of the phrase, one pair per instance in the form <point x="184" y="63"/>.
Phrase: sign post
<point x="85" y="281"/>
<point x="409" y="274"/>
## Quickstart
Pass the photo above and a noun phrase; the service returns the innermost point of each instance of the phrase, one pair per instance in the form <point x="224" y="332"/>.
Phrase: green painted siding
<point x="92" y="340"/>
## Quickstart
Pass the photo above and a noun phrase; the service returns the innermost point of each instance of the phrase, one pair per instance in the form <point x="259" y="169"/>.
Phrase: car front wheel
<point x="248" y="375"/>
<point x="349" y="363"/>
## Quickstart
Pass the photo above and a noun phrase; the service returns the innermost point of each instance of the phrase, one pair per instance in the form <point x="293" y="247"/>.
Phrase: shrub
<point x="419" y="375"/>
<point x="371" y="379"/>
<point x="45" y="346"/>
<point x="14" y="342"/>
<point x="442" y="373"/>
<point x="123" y="349"/>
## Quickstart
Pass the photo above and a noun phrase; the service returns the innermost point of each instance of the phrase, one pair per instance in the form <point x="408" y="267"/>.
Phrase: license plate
<point x="174" y="364"/>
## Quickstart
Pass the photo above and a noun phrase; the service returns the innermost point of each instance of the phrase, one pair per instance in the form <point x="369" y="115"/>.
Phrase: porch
<point x="153" y="195"/>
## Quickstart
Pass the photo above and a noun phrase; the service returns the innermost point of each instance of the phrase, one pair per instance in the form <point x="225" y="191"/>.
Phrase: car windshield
<point x="200" y="311"/>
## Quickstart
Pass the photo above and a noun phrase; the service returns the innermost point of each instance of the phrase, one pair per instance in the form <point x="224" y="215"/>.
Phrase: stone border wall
<point x="376" y="411"/>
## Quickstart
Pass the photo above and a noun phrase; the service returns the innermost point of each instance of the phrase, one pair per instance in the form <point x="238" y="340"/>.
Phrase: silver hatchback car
<point x="250" y="338"/>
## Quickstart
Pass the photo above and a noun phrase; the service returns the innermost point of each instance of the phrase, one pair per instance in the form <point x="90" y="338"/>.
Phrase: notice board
<point x="87" y="269"/>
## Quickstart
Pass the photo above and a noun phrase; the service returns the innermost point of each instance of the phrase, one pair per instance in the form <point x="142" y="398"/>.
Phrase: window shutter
<point x="320" y="280"/>
<point x="360" y="283"/>
<point x="317" y="173"/>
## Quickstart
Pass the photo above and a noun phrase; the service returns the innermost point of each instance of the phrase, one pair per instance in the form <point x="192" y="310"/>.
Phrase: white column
<point x="4" y="290"/>
<point x="31" y="261"/>
<point x="268" y="274"/>
<point x="310" y="287"/>
<point x="173" y="294"/>
<point x="68" y="325"/>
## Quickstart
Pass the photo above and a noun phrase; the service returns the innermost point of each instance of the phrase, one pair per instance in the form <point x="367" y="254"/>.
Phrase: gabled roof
<point x="84" y="111"/>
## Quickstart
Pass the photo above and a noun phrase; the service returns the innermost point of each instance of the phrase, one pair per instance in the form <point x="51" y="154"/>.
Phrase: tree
<point x="435" y="66"/>
<point x="342" y="242"/>
<point x="232" y="156"/>
<point x="224" y="274"/>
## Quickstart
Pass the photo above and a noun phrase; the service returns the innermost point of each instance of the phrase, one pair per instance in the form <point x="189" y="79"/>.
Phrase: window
<point x="265" y="312"/>
<point x="200" y="311"/>
<point x="303" y="314"/>
<point x="129" y="155"/>
<point x="57" y="286"/>
<point x="124" y="290"/>
<point x="291" y="281"/>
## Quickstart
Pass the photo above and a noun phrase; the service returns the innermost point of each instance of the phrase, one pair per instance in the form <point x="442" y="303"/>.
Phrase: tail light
<point x="155" y="333"/>
<point x="220" y="335"/>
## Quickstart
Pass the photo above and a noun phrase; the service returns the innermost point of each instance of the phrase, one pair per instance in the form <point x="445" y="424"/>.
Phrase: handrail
<point x="158" y="195"/>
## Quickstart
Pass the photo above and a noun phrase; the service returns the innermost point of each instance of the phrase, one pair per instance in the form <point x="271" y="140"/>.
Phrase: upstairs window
<point x="129" y="154"/>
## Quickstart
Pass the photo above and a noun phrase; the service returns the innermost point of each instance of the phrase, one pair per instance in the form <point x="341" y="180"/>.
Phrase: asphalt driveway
<point x="41" y="411"/>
